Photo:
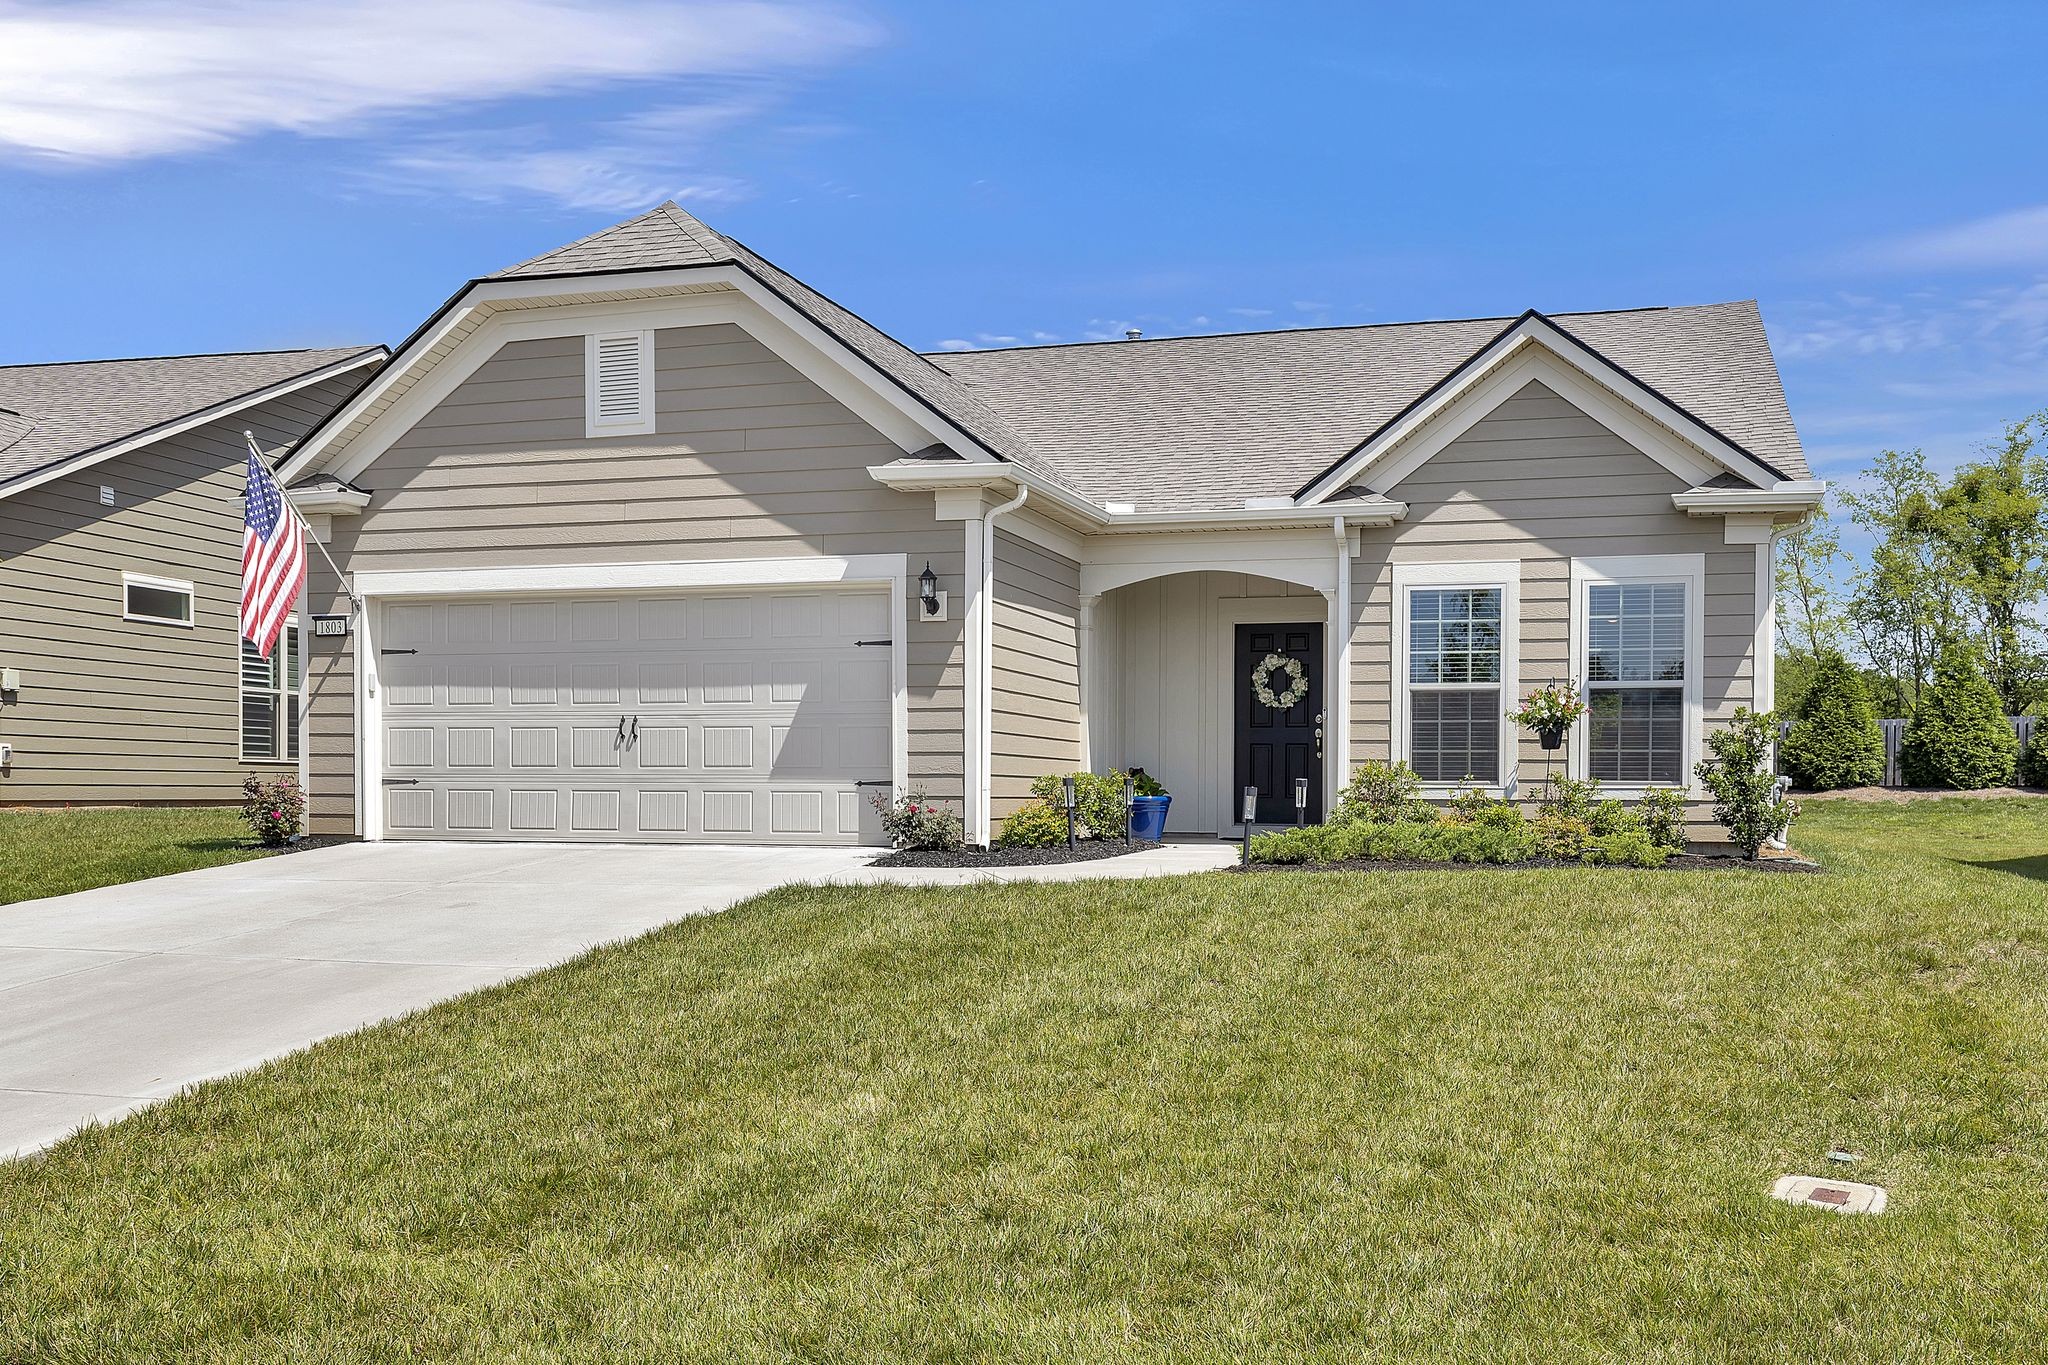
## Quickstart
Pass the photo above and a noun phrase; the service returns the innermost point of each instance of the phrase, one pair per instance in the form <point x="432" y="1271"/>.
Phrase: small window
<point x="271" y="690"/>
<point x="619" y="375"/>
<point x="1454" y="684"/>
<point x="159" y="601"/>
<point x="1636" y="676"/>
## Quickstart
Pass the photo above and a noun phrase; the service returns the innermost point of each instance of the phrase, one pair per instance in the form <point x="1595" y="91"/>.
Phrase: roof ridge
<point x="668" y="213"/>
<point x="1337" y="327"/>
<point x="193" y="355"/>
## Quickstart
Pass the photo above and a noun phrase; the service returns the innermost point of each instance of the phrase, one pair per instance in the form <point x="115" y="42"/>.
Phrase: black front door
<point x="1276" y="745"/>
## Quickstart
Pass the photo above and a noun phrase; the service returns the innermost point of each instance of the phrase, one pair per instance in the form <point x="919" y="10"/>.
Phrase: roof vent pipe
<point x="1132" y="334"/>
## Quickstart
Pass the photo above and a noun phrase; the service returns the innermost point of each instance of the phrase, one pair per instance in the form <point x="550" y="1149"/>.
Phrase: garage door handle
<point x="401" y="781"/>
<point x="634" y="738"/>
<point x="875" y="782"/>
<point x="862" y="644"/>
<point x="398" y="651"/>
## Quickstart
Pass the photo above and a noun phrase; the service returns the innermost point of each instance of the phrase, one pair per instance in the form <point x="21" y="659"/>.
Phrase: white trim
<point x="974" y="735"/>
<point x="1301" y="557"/>
<point x="1343" y="625"/>
<point x="189" y="421"/>
<point x="144" y="580"/>
<point x="984" y="700"/>
<point x="1505" y="575"/>
<point x="641" y="423"/>
<point x="1689" y="569"/>
<point x="1536" y="348"/>
<point x="1229" y="613"/>
<point x="1787" y="495"/>
<point x="888" y="571"/>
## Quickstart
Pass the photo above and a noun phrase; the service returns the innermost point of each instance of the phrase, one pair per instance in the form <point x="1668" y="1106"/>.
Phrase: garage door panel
<point x="741" y="716"/>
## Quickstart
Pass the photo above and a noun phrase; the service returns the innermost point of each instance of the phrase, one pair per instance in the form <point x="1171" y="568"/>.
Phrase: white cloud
<point x="956" y="344"/>
<point x="124" y="79"/>
<point x="2016" y="237"/>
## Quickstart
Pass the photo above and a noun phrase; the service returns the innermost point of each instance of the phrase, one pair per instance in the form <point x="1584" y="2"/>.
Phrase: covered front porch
<point x="1170" y="636"/>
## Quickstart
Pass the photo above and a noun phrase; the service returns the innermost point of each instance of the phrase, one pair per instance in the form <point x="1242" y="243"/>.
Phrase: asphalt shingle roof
<point x="1203" y="423"/>
<point x="52" y="413"/>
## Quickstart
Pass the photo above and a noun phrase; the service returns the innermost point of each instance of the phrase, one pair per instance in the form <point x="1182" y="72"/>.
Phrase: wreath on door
<point x="1262" y="681"/>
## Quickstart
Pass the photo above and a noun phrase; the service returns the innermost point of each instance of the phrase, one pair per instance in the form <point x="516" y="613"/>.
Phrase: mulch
<point x="1087" y="851"/>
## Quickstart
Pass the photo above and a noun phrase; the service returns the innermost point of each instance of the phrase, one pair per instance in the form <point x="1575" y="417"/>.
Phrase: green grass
<point x="1474" y="1116"/>
<point x="49" y="853"/>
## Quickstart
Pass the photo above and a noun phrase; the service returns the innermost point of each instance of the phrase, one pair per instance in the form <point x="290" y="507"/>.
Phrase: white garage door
<point x="729" y="717"/>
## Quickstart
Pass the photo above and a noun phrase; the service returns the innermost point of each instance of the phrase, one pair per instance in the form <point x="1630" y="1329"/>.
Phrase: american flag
<point x="273" y="556"/>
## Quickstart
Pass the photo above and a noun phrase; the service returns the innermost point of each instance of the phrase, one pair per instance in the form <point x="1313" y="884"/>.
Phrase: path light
<point x="1251" y="813"/>
<point x="1067" y="796"/>
<point x="1130" y="801"/>
<point x="1300" y="802"/>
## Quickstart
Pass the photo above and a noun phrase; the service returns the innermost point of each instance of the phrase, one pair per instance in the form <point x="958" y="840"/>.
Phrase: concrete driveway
<point x="113" y="998"/>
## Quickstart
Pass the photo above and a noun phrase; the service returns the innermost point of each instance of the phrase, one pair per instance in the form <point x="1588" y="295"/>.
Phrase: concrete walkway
<point x="114" y="998"/>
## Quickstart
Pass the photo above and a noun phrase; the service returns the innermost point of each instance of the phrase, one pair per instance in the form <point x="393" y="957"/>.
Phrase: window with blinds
<point x="271" y="690"/>
<point x="1454" y="684"/>
<point x="1635" y="682"/>
<point x="620" y="382"/>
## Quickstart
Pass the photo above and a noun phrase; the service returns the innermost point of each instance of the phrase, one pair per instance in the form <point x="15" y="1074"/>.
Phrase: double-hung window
<point x="1455" y="670"/>
<point x="1640" y="626"/>
<point x="271" y="689"/>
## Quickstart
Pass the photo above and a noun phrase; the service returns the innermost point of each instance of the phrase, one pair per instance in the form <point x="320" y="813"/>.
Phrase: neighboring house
<point x="634" y="532"/>
<point x="120" y="572"/>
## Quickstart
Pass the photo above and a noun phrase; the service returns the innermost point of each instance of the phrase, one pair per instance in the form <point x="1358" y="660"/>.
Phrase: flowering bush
<point x="918" y="821"/>
<point x="1554" y="706"/>
<point x="276" y="811"/>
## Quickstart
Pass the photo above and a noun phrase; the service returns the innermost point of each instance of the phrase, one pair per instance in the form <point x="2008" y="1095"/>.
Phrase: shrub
<point x="1471" y="806"/>
<point x="1662" y="813"/>
<point x="2033" y="766"/>
<point x="917" y="821"/>
<point x="1382" y="792"/>
<point x="1629" y="848"/>
<point x="1569" y="798"/>
<point x="1746" y="799"/>
<point x="1836" y="742"/>
<point x="1038" y="825"/>
<point x="1959" y="736"/>
<point x="1290" y="846"/>
<point x="1488" y="843"/>
<point x="1561" y="836"/>
<point x="1144" y="784"/>
<point x="276" y="811"/>
<point x="1098" y="801"/>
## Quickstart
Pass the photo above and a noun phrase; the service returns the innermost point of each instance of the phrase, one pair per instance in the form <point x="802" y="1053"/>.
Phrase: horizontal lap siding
<point x="114" y="711"/>
<point x="1540" y="482"/>
<point x="1035" y="726"/>
<point x="749" y="460"/>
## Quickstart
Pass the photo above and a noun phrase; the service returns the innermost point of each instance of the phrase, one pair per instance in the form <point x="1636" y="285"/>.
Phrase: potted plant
<point x="1149" y="803"/>
<point x="1550" y="711"/>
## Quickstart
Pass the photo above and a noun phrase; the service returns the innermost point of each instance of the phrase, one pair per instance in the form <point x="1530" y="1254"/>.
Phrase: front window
<point x="270" y="698"/>
<point x="1636" y="676"/>
<point x="1454" y="684"/>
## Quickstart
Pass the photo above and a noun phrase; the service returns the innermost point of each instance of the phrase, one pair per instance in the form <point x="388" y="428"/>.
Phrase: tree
<point x="1836" y="741"/>
<point x="1959" y="736"/>
<point x="1902" y="603"/>
<point x="1809" y="619"/>
<point x="1745" y="792"/>
<point x="1989" y="525"/>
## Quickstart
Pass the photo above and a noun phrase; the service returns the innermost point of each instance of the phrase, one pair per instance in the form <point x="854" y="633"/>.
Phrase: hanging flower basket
<point x="1550" y="711"/>
<point x="1550" y="736"/>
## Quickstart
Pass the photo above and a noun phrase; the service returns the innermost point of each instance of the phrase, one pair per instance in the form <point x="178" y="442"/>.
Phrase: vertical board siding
<point x="1035" y="679"/>
<point x="1540" y="482"/>
<point x="749" y="459"/>
<point x="112" y="711"/>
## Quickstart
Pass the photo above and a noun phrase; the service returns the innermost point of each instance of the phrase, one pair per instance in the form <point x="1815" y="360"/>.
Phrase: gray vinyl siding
<point x="1035" y="679"/>
<point x="749" y="459"/>
<point x="1539" y="481"/>
<point x="111" y="711"/>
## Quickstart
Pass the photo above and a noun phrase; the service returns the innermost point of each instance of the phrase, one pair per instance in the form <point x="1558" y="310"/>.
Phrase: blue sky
<point x="239" y="175"/>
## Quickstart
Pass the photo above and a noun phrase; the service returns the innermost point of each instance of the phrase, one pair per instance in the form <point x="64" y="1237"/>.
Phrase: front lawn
<point x="49" y="853"/>
<point x="1494" y="1116"/>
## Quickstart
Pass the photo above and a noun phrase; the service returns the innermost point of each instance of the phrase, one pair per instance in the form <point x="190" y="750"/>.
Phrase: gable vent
<point x="620" y="371"/>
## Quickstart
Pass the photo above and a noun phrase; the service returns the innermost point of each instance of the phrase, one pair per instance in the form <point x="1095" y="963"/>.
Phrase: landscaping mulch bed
<point x="1087" y="851"/>
<point x="313" y="841"/>
<point x="1679" y="862"/>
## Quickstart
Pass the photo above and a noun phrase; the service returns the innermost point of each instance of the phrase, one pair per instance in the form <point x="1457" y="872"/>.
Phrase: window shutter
<point x="621" y="378"/>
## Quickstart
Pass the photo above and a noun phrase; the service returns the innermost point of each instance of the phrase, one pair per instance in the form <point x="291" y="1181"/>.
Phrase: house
<point x="636" y="537"/>
<point x="122" y="678"/>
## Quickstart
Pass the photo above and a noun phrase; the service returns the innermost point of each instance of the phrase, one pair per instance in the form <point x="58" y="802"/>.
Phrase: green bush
<point x="1836" y="742"/>
<point x="1487" y="843"/>
<point x="1746" y="799"/>
<point x="1629" y="848"/>
<point x="1394" y="841"/>
<point x="917" y="821"/>
<point x="1382" y="792"/>
<point x="1959" y="736"/>
<point x="1561" y="836"/>
<point x="2033" y="766"/>
<point x="1098" y="802"/>
<point x="1662" y="813"/>
<point x="1291" y="846"/>
<point x="1038" y="825"/>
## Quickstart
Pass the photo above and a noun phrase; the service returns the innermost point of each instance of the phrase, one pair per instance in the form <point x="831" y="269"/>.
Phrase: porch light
<point x="928" y="589"/>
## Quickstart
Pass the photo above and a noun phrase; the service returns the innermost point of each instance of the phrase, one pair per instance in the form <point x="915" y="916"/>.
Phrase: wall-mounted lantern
<point x="931" y="602"/>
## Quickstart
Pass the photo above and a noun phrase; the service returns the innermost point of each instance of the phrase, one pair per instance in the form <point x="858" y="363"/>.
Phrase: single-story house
<point x="636" y="537"/>
<point x="122" y="676"/>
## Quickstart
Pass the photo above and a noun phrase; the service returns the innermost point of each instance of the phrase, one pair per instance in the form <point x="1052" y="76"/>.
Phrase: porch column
<point x="1084" y="675"/>
<point x="1337" y="691"/>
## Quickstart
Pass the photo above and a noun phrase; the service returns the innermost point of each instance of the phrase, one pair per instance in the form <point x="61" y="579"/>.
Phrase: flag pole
<point x="355" y="604"/>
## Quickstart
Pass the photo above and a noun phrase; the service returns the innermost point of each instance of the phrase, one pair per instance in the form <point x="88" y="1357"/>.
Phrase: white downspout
<point x="985" y="652"/>
<point x="1338" y="742"/>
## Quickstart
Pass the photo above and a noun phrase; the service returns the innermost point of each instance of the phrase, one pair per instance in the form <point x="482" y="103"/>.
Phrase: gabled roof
<point x="661" y="238"/>
<point x="1207" y="422"/>
<point x="52" y="415"/>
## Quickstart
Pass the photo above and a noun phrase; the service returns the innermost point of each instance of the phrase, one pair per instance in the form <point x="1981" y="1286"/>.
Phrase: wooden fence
<point x="1895" y="735"/>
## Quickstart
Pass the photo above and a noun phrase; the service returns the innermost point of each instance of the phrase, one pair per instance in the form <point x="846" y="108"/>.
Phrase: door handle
<point x="634" y="738"/>
<point x="619" y="740"/>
